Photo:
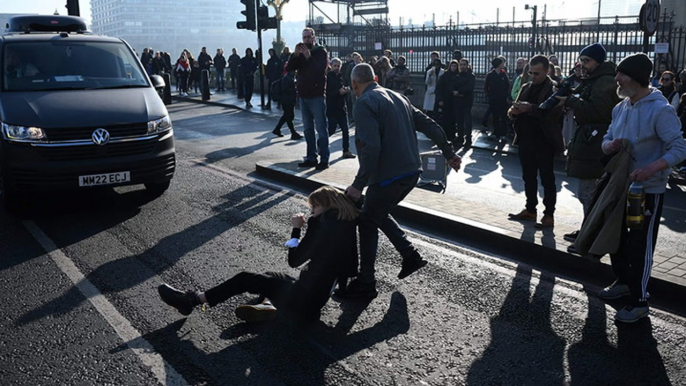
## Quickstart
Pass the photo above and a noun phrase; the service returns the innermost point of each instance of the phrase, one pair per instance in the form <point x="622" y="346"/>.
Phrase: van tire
<point x="157" y="188"/>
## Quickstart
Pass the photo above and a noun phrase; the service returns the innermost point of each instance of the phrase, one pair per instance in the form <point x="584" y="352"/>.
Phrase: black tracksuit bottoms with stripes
<point x="633" y="262"/>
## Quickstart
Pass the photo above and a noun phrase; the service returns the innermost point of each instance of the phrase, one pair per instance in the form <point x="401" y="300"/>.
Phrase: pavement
<point x="476" y="201"/>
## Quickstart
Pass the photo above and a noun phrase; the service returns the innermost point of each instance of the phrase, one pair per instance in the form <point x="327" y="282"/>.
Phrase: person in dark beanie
<point x="497" y="88"/>
<point x="592" y="103"/>
<point x="645" y="132"/>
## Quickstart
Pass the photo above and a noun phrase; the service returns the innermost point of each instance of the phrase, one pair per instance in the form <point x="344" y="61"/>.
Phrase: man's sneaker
<point x="256" y="312"/>
<point x="277" y="133"/>
<point x="347" y="154"/>
<point x="631" y="314"/>
<point x="307" y="164"/>
<point x="571" y="237"/>
<point x="322" y="166"/>
<point x="411" y="265"/>
<point x="296" y="136"/>
<point x="184" y="302"/>
<point x="614" y="291"/>
<point x="358" y="290"/>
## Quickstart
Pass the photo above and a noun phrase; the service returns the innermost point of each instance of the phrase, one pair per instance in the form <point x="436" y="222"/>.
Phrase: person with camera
<point x="311" y="61"/>
<point x="539" y="137"/>
<point x="592" y="103"/>
<point x="336" y="112"/>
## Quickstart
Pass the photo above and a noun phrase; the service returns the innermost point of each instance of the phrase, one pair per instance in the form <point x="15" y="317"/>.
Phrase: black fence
<point x="480" y="43"/>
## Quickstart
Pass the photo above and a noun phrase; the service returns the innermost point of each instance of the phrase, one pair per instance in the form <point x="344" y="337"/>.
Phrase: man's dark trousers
<point x="537" y="157"/>
<point x="379" y="201"/>
<point x="340" y="119"/>
<point x="499" y="108"/>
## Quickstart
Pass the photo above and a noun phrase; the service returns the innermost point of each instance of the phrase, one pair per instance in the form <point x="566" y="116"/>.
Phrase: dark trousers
<point x="233" y="74"/>
<point x="484" y="120"/>
<point x="463" y="116"/>
<point x="499" y="110"/>
<point x="184" y="81"/>
<point x="378" y="203"/>
<point x="633" y="261"/>
<point x="340" y="120"/>
<point x="272" y="285"/>
<point x="537" y="158"/>
<point x="449" y="121"/>
<point x="248" y="85"/>
<point x="287" y="118"/>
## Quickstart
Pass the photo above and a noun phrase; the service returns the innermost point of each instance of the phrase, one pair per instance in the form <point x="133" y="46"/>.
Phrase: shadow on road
<point x="524" y="349"/>
<point x="276" y="352"/>
<point x="635" y="360"/>
<point x="124" y="273"/>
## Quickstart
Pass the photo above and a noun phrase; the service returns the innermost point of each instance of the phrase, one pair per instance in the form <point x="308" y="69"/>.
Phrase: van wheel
<point x="157" y="188"/>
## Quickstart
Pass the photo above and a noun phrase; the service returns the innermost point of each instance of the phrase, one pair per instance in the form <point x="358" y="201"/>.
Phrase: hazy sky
<point x="418" y="11"/>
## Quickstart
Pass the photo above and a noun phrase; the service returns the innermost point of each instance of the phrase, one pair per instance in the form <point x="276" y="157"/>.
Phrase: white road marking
<point x="165" y="373"/>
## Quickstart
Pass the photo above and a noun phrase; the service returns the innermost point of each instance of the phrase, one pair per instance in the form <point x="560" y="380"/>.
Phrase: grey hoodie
<point x="654" y="130"/>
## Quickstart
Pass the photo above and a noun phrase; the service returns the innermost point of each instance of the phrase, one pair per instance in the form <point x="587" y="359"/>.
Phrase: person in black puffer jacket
<point x="446" y="100"/>
<point x="329" y="248"/>
<point x="463" y="92"/>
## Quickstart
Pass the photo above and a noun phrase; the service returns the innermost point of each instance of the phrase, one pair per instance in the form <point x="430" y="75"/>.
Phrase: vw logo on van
<point x="100" y="137"/>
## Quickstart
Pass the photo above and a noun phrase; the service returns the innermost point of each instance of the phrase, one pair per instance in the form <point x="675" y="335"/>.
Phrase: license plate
<point x="104" y="179"/>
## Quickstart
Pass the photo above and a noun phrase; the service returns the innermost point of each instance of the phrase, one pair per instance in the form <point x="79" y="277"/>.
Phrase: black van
<point x="77" y="110"/>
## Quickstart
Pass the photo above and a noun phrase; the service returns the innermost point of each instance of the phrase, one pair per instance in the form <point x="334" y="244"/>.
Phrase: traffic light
<point x="265" y="22"/>
<point x="73" y="8"/>
<point x="250" y="22"/>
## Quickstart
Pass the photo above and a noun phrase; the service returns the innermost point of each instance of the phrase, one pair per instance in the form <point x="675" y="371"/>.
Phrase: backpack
<point x="275" y="90"/>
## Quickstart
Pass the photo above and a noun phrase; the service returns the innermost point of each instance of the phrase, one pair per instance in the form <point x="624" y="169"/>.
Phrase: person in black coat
<point x="446" y="99"/>
<point x="248" y="68"/>
<point x="219" y="66"/>
<point x="273" y="72"/>
<point x="336" y="112"/>
<point x="329" y="248"/>
<point x="497" y="88"/>
<point x="288" y="98"/>
<point x="234" y="62"/>
<point x="463" y="92"/>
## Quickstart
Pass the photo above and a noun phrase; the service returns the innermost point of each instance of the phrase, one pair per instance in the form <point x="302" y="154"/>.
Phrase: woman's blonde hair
<point x="328" y="197"/>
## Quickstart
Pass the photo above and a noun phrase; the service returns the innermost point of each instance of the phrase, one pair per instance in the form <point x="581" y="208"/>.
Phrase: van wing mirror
<point x="157" y="82"/>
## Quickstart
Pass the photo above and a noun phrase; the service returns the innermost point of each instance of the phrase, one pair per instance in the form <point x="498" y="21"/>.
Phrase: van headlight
<point x="22" y="133"/>
<point x="159" y="125"/>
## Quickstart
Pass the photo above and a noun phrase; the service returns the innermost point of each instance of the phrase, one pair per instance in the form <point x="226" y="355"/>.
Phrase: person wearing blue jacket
<point x="651" y="125"/>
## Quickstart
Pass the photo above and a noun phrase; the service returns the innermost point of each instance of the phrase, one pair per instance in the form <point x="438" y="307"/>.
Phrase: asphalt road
<point x="80" y="271"/>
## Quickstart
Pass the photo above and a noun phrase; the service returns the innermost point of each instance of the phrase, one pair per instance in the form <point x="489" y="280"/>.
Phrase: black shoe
<point x="308" y="164"/>
<point x="296" y="136"/>
<point x="183" y="302"/>
<point x="358" y="290"/>
<point x="571" y="237"/>
<point x="411" y="264"/>
<point x="322" y="166"/>
<point x="277" y="133"/>
<point x="467" y="145"/>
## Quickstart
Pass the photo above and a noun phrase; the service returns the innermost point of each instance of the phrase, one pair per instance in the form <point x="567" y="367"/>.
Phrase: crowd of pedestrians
<point x="611" y="117"/>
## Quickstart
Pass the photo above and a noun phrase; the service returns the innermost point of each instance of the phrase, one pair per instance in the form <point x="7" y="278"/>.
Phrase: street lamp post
<point x="534" y="23"/>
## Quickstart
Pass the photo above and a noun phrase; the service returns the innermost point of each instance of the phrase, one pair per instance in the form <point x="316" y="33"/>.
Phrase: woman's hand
<point x="298" y="220"/>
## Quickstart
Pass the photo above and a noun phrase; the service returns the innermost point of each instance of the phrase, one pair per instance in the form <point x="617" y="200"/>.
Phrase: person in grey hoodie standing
<point x="649" y="123"/>
<point x="386" y="142"/>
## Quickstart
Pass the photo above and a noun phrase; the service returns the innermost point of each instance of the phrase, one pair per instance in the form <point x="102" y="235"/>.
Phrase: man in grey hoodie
<point x="386" y="141"/>
<point x="650" y="124"/>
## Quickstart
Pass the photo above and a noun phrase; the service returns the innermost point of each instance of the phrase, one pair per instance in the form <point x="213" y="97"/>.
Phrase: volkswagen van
<point x="77" y="111"/>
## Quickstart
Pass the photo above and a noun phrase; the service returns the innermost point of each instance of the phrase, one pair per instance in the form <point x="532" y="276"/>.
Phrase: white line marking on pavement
<point x="164" y="372"/>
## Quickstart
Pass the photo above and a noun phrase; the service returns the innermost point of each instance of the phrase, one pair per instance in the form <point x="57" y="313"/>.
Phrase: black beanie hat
<point x="595" y="51"/>
<point x="496" y="62"/>
<point x="638" y="67"/>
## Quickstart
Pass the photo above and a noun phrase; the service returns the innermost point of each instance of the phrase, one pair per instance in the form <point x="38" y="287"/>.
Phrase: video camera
<point x="565" y="87"/>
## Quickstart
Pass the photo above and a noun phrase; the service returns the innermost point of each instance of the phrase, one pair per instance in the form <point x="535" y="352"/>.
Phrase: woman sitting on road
<point x="330" y="246"/>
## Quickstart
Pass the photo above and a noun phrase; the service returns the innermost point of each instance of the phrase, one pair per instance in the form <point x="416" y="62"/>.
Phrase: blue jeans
<point x="314" y="117"/>
<point x="379" y="201"/>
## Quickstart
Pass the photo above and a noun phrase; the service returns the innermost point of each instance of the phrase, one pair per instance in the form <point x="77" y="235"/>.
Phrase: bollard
<point x="166" y="93"/>
<point x="205" y="84"/>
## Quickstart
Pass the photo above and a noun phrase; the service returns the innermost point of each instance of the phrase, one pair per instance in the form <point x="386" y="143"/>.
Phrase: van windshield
<point x="64" y="65"/>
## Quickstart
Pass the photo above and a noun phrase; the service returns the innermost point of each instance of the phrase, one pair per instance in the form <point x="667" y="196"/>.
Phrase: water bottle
<point x="635" y="206"/>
